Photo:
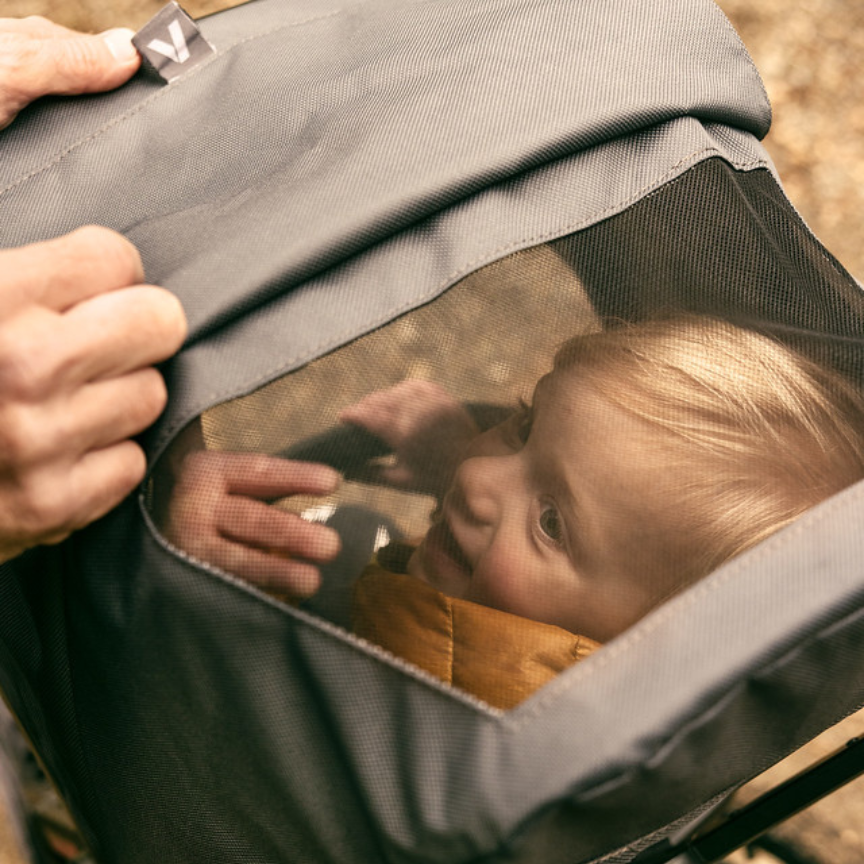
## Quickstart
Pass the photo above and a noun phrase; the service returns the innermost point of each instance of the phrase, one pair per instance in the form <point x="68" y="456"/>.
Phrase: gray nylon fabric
<point x="323" y="130"/>
<point x="283" y="190"/>
<point x="353" y="298"/>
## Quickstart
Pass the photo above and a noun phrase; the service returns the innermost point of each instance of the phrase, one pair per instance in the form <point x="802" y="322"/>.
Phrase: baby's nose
<point x="481" y="487"/>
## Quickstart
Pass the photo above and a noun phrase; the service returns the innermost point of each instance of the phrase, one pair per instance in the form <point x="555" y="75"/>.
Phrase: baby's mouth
<point x="447" y="557"/>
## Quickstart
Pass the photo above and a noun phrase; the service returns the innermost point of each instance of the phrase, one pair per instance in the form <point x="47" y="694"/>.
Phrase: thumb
<point x="88" y="64"/>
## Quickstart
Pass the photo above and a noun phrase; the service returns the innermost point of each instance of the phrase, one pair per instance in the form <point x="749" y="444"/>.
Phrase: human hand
<point x="78" y="337"/>
<point x="38" y="57"/>
<point x="217" y="513"/>
<point x="425" y="426"/>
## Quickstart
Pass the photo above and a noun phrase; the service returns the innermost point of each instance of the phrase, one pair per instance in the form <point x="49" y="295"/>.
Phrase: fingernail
<point x="119" y="42"/>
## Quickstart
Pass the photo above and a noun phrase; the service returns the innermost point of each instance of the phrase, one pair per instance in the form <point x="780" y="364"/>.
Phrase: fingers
<point x="67" y="460"/>
<point x="101" y="479"/>
<point x="89" y="64"/>
<point x="215" y="513"/>
<point x="62" y="272"/>
<point x="104" y="330"/>
<point x="373" y="413"/>
<point x="38" y="58"/>
<point x="45" y="359"/>
<point x="397" y="412"/>
<point x="256" y="475"/>
<point x="78" y="337"/>
<point x="106" y="412"/>
<point x="284" y="560"/>
<point x="254" y="523"/>
<point x="119" y="331"/>
<point x="426" y="427"/>
<point x="47" y="505"/>
<point x="262" y="476"/>
<point x="297" y="579"/>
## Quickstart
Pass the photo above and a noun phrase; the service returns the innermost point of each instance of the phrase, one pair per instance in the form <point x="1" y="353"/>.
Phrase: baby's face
<point x="559" y="514"/>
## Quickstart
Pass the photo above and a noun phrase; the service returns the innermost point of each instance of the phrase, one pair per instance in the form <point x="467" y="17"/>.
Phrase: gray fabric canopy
<point x="329" y="168"/>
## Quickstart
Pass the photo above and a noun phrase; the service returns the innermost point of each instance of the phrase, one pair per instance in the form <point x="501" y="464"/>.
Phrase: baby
<point x="648" y="456"/>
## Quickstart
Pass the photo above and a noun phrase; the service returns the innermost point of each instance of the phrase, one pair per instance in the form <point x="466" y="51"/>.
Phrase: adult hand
<point x="38" y="57"/>
<point x="78" y="337"/>
<point x="217" y="513"/>
<point x="427" y="428"/>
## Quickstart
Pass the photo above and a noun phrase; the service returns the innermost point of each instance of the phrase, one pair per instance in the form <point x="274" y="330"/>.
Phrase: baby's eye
<point x="551" y="525"/>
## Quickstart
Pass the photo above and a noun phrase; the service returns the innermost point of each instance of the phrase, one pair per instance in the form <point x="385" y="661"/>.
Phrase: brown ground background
<point x="810" y="55"/>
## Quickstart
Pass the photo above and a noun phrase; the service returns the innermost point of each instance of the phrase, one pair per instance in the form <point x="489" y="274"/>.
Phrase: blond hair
<point x="755" y="433"/>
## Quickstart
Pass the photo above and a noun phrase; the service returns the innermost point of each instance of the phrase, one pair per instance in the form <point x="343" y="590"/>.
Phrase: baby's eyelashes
<point x="551" y="524"/>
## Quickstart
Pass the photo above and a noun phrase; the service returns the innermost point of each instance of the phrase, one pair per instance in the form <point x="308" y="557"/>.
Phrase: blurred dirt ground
<point x="809" y="53"/>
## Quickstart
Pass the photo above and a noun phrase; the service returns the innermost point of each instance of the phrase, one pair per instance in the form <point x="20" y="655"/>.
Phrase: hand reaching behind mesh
<point x="218" y="512"/>
<point x="426" y="427"/>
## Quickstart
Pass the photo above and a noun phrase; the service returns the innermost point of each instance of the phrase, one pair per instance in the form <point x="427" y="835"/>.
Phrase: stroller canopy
<point x="329" y="174"/>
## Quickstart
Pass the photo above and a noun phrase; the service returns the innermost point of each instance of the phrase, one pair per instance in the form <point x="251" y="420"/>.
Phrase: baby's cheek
<point x="500" y="582"/>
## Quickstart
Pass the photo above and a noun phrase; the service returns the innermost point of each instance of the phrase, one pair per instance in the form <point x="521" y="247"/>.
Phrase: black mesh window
<point x="493" y="530"/>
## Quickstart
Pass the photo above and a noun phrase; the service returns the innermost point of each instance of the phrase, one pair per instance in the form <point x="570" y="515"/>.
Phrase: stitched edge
<point x="116" y="121"/>
<point x="313" y="352"/>
<point x="451" y="642"/>
<point x="345" y="637"/>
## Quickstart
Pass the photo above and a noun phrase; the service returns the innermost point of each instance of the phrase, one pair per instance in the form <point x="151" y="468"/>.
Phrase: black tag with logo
<point x="171" y="43"/>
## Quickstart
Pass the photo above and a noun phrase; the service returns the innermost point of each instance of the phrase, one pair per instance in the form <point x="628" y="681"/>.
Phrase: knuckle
<point x="258" y="467"/>
<point x="78" y="59"/>
<point x="19" y="439"/>
<point x="23" y="365"/>
<point x="187" y="524"/>
<point x="17" y="58"/>
<point x="198" y="480"/>
<point x="17" y="54"/>
<point x="43" y="506"/>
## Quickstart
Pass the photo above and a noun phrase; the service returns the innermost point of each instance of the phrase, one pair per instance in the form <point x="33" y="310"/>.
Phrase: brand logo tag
<point x="171" y="42"/>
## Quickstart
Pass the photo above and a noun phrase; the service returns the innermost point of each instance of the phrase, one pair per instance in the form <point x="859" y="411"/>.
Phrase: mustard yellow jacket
<point x="498" y="657"/>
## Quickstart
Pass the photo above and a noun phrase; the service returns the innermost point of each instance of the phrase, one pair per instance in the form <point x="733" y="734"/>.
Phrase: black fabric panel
<point x="740" y="252"/>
